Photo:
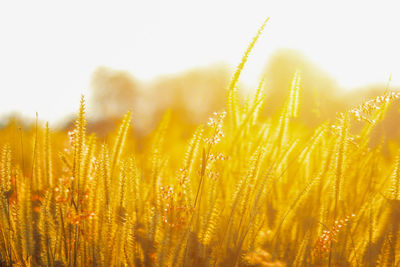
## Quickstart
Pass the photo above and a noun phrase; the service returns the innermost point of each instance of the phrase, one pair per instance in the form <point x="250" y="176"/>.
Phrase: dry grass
<point x="243" y="191"/>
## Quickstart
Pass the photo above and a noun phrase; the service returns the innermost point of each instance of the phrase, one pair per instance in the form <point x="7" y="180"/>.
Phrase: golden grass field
<point x="242" y="190"/>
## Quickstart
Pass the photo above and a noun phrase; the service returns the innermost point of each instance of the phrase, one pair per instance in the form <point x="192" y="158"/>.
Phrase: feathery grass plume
<point x="5" y="171"/>
<point x="6" y="212"/>
<point x="340" y="159"/>
<point x="395" y="194"/>
<point x="188" y="170"/>
<point x="293" y="105"/>
<point x="157" y="164"/>
<point x="26" y="211"/>
<point x="393" y="231"/>
<point x="48" y="168"/>
<point x="48" y="230"/>
<point x="17" y="250"/>
<point x="250" y="116"/>
<point x="302" y="195"/>
<point x="104" y="172"/>
<point x="252" y="176"/>
<point x="35" y="171"/>
<point x="157" y="149"/>
<point x="119" y="142"/>
<point x="301" y="257"/>
<point x="339" y="167"/>
<point x="79" y="139"/>
<point x="233" y="98"/>
<point x="234" y="232"/>
<point x="212" y="224"/>
<point x="307" y="154"/>
<point x="258" y="100"/>
<point x="368" y="254"/>
<point x="386" y="257"/>
<point x="290" y="109"/>
<point x="133" y="190"/>
<point x="120" y="215"/>
<point x="87" y="163"/>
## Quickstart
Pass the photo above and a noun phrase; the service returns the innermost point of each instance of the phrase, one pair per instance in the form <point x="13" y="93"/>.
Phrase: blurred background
<point x="151" y="56"/>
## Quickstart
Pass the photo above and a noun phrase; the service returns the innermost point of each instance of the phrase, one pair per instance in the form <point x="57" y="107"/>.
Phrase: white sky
<point x="49" y="49"/>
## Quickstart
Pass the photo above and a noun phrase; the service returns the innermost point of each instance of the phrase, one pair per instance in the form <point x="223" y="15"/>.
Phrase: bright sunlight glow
<point x="49" y="49"/>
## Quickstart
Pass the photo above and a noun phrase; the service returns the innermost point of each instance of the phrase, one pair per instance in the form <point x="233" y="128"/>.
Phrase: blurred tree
<point x="193" y="94"/>
<point x="113" y="92"/>
<point x="318" y="95"/>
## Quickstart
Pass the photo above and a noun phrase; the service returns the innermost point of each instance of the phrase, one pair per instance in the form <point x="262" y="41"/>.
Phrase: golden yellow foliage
<point x="242" y="190"/>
